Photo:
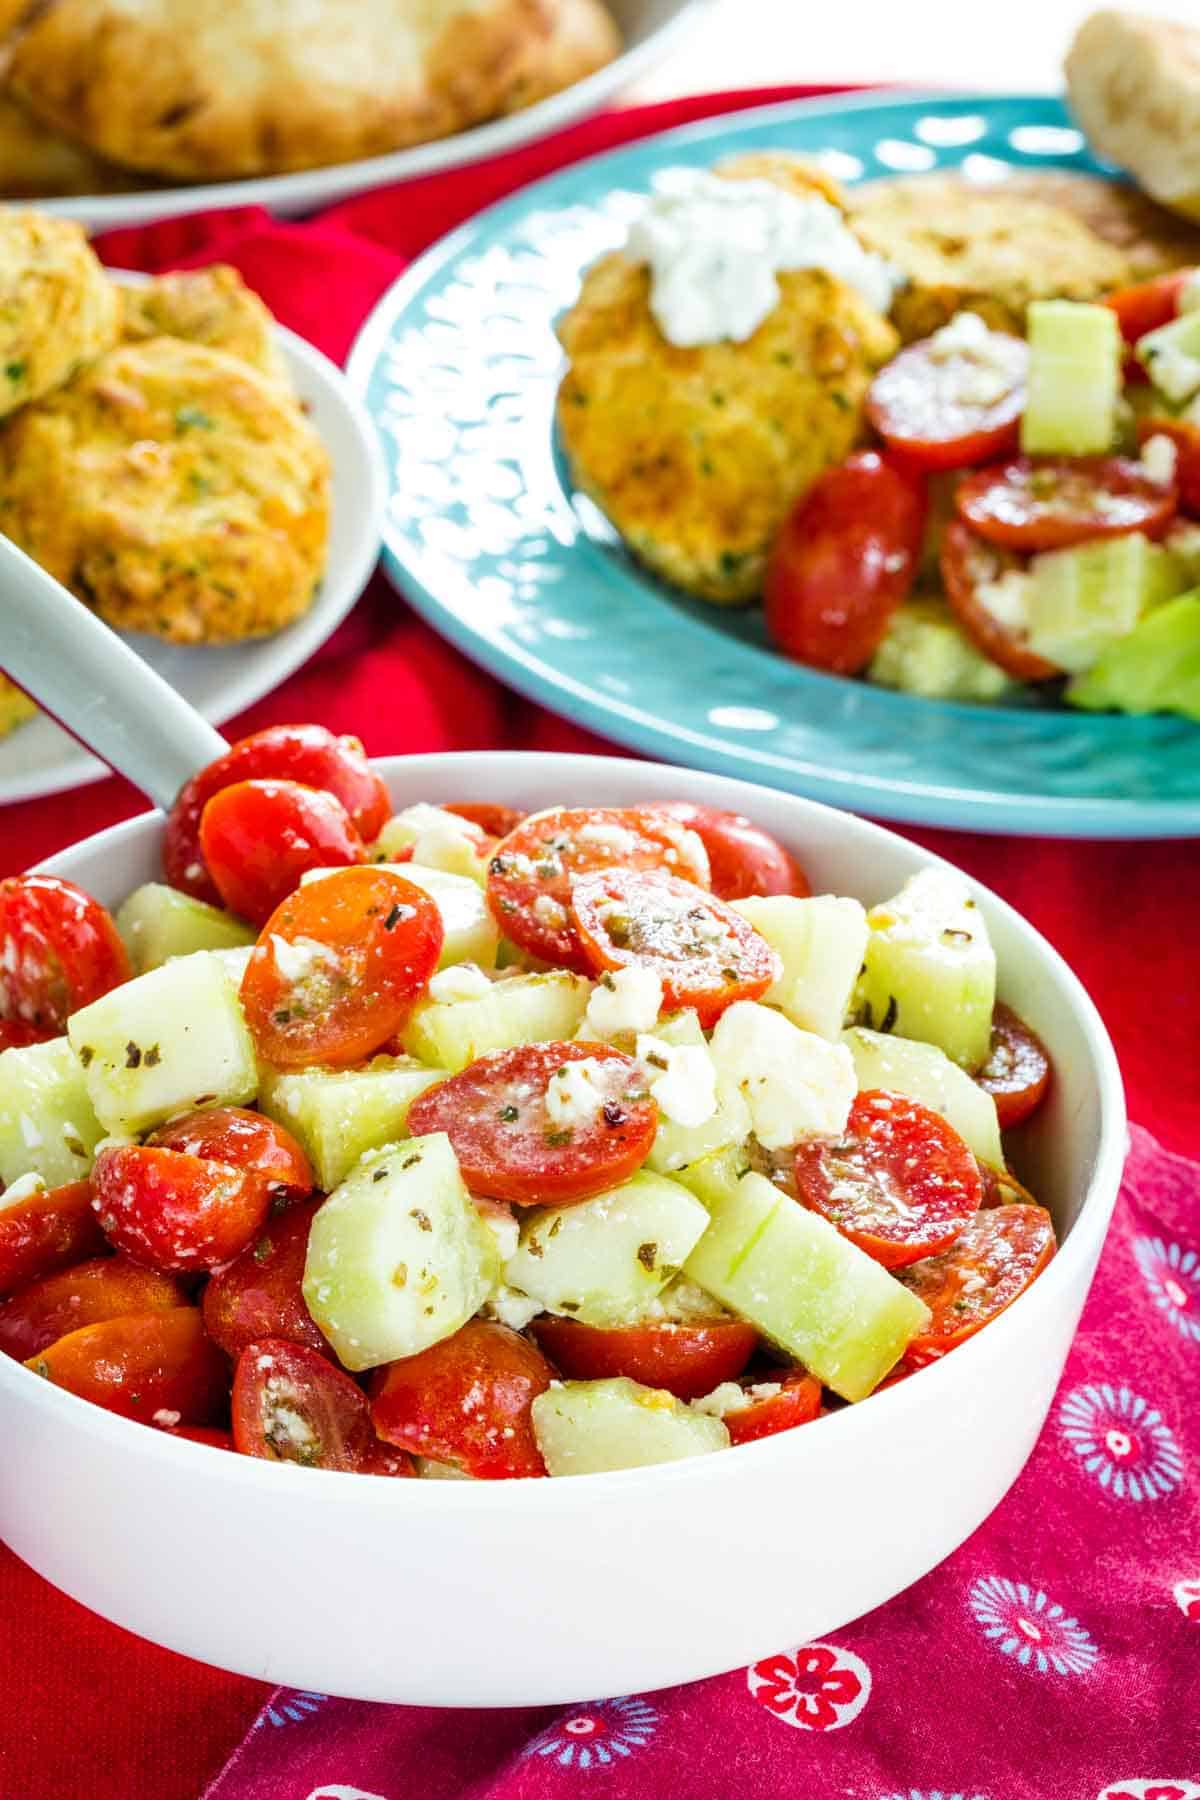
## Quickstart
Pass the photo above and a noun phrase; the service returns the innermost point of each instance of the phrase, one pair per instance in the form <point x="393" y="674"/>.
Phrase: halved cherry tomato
<point x="267" y="1155"/>
<point x="1001" y="1251"/>
<point x="258" y="1295"/>
<point x="16" y="1035"/>
<point x="1148" y="304"/>
<point x="47" y="1231"/>
<point x="59" y="949"/>
<point x="706" y="954"/>
<point x="466" y="1401"/>
<point x="339" y="967"/>
<point x="1186" y="439"/>
<point x="1001" y="1187"/>
<point x="170" y="1211"/>
<point x="489" y="815"/>
<point x="743" y="859"/>
<point x="260" y="837"/>
<point x="141" y="1365"/>
<point x="532" y="872"/>
<point x="291" y="1405"/>
<point x="106" y="1287"/>
<point x="843" y="560"/>
<point x="969" y="563"/>
<point x="688" y="1360"/>
<point x="796" y="1402"/>
<point x="1017" y="1071"/>
<point x="385" y="1459"/>
<point x="212" y="1435"/>
<point x="308" y="754"/>
<point x="900" y="1183"/>
<point x="509" y="1144"/>
<point x="1049" y="503"/>
<point x="950" y="411"/>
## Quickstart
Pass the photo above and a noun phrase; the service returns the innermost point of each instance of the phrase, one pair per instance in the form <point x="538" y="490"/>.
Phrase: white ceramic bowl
<point x="523" y="1592"/>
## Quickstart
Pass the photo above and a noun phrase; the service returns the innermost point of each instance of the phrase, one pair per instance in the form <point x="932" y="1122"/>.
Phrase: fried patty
<point x="1151" y="238"/>
<point x="964" y="244"/>
<point x="210" y="306"/>
<point x="58" y="309"/>
<point x="696" y="455"/>
<point x="175" y="489"/>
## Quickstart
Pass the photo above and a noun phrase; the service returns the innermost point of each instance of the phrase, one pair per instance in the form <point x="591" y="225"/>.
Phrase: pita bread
<point x="1134" y="86"/>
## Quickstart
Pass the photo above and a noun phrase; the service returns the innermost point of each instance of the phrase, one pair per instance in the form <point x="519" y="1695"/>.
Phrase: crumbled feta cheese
<point x="987" y="368"/>
<point x="548" y="910"/>
<point x="681" y="1079"/>
<point x="1173" y="372"/>
<point x="795" y="1083"/>
<point x="167" y="1417"/>
<point x="577" y="1093"/>
<point x="1007" y="599"/>
<point x="23" y="1188"/>
<point x="297" y="960"/>
<point x="439" y="838"/>
<point x="628" y="999"/>
<point x="681" y="1302"/>
<point x="608" y="837"/>
<point x="461" y="981"/>
<point x="726" y="1398"/>
<point x="511" y="1307"/>
<point x="1159" y="457"/>
<point x="965" y="335"/>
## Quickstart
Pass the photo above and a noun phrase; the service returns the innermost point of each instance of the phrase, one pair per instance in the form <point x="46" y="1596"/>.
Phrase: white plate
<point x="649" y="28"/>
<point x="40" y="758"/>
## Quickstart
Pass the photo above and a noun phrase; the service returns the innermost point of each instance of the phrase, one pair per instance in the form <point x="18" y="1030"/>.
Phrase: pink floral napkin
<point x="1055" y="1656"/>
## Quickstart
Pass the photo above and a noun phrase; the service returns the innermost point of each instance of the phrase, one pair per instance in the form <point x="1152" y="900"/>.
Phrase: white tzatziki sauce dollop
<point x="715" y="249"/>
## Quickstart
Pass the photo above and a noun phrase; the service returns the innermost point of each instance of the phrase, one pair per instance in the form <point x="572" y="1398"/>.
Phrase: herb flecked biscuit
<point x="58" y="310"/>
<point x="175" y="489"/>
<point x="210" y="306"/>
<point x="1134" y="86"/>
<point x="256" y="87"/>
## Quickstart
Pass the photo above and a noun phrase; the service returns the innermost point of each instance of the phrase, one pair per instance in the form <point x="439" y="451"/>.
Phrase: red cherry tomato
<point x="142" y="1365"/>
<point x="1001" y="1251"/>
<point x="706" y="955"/>
<point x="258" y="1295"/>
<point x="175" y="1212"/>
<point x="797" y="1402"/>
<point x="1017" y="1071"/>
<point x="509" y="1145"/>
<point x="16" y="1035"/>
<point x="260" y="837"/>
<point x="200" y="1434"/>
<point x="385" y="1459"/>
<point x="367" y="943"/>
<point x="1053" y="502"/>
<point x="970" y="563"/>
<point x="291" y="1405"/>
<point x="59" y="950"/>
<point x="1186" y="439"/>
<point x="1149" y="304"/>
<point x="531" y="875"/>
<point x="308" y="754"/>
<point x="466" y="1401"/>
<point x="900" y="1184"/>
<point x="946" y="411"/>
<point x="688" y="1360"/>
<point x="743" y="859"/>
<point x="47" y="1231"/>
<point x="844" y="559"/>
<point x="267" y="1155"/>
<point x="489" y="815"/>
<point x="107" y="1287"/>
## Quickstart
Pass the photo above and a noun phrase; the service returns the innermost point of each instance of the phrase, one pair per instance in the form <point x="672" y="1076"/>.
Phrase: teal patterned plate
<point x="485" y="536"/>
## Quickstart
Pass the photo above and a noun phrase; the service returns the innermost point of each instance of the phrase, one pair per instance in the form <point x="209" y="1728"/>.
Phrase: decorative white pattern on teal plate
<point x="486" y="538"/>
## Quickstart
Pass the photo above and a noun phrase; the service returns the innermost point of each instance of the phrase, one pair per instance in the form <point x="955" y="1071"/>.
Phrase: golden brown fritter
<point x="15" y="707"/>
<point x="1153" y="239"/>
<point x="175" y="489"/>
<point x="696" y="455"/>
<point x="799" y="175"/>
<point x="968" y="245"/>
<point x="58" y="309"/>
<point x="36" y="162"/>
<point x="206" y="306"/>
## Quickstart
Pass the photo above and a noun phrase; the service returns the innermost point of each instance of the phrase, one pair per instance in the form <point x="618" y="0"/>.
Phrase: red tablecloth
<point x="92" y="1711"/>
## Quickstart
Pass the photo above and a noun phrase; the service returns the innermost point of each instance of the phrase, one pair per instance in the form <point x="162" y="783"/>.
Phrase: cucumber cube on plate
<point x="926" y="1074"/>
<point x="925" y="651"/>
<point x="1075" y="358"/>
<point x="398" y="1257"/>
<point x="809" y="1290"/>
<point x="524" y="1009"/>
<point x="929" y="970"/>
<point x="168" y="1040"/>
<point x="47" y="1124"/>
<point x="339" y="1114"/>
<point x="158" y="922"/>
<point x="820" y="942"/>
<point x="1083" y="599"/>
<point x="1155" y="669"/>
<point x="586" y="1427"/>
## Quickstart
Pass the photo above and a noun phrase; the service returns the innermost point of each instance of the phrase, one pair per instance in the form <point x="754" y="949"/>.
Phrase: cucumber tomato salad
<point x="460" y="1142"/>
<point x="1030" y="519"/>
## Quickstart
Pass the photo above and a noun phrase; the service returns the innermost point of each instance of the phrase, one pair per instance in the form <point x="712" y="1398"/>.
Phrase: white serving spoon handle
<point x="96" y="687"/>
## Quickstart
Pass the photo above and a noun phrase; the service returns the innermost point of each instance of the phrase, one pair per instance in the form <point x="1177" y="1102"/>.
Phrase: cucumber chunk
<point x="1083" y="599"/>
<point x="438" y="840"/>
<point x="929" y="971"/>
<point x="398" y="1257"/>
<point x="1155" y="669"/>
<point x="926" y="652"/>
<point x="925" y="1073"/>
<point x="604" y="1259"/>
<point x="586" y="1427"/>
<point x="168" y="1040"/>
<point x="809" y="1290"/>
<point x="158" y="922"/>
<point x="675" y="1145"/>
<point x="340" y="1114"/>
<point x="525" y="1009"/>
<point x="1075" y="357"/>
<point x="1171" y="357"/>
<point x="470" y="934"/>
<point x="714" y="1177"/>
<point x="47" y="1125"/>
<point x="820" y="943"/>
